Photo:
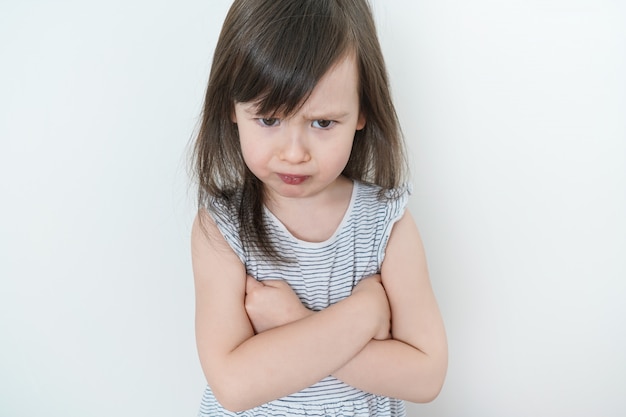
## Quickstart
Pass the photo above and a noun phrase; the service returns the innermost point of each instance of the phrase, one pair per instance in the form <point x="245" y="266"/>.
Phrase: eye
<point x="269" y="121"/>
<point x="322" y="124"/>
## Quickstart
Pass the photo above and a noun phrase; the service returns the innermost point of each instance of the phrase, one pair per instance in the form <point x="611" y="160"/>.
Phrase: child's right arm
<point x="245" y="370"/>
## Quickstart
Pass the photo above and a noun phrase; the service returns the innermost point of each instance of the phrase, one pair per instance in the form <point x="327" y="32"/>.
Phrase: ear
<point x="233" y="116"/>
<point x="360" y="123"/>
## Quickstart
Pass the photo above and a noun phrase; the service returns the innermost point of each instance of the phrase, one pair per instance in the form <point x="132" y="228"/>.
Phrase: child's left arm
<point x="412" y="365"/>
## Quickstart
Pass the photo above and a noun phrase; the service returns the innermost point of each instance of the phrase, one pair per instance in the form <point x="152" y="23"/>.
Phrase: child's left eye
<point x="322" y="124"/>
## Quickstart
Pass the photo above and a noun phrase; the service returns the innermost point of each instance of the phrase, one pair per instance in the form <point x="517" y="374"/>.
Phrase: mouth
<point x="293" y="179"/>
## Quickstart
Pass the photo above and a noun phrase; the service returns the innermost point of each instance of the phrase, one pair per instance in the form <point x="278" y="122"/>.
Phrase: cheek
<point x="339" y="154"/>
<point x="248" y="153"/>
<point x="344" y="146"/>
<point x="254" y="155"/>
<point x="246" y="143"/>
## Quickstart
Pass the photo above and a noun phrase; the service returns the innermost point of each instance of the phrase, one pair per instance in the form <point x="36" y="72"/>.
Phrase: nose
<point x="295" y="149"/>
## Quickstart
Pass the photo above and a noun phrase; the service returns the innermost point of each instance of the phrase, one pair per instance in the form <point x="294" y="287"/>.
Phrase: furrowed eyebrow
<point x="253" y="110"/>
<point x="327" y="116"/>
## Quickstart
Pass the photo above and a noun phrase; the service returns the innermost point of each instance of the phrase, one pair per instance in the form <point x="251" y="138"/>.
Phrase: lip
<point x="292" y="179"/>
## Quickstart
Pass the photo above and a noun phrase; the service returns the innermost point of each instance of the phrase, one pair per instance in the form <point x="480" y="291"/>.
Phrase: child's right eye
<point x="269" y="121"/>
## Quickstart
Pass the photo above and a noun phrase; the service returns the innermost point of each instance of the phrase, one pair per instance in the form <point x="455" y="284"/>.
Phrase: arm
<point x="237" y="363"/>
<point x="412" y="365"/>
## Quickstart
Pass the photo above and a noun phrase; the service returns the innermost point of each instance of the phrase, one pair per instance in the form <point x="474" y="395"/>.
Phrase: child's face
<point x="303" y="155"/>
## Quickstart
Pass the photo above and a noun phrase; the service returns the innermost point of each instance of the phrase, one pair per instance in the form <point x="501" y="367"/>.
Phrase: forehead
<point x="337" y="92"/>
<point x="276" y="52"/>
<point x="337" y="88"/>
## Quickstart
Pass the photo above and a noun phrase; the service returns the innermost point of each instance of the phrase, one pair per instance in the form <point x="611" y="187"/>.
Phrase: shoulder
<point x="389" y="203"/>
<point x="219" y="216"/>
<point x="211" y="251"/>
<point x="376" y="211"/>
<point x="376" y="192"/>
<point x="224" y="207"/>
<point x="206" y="235"/>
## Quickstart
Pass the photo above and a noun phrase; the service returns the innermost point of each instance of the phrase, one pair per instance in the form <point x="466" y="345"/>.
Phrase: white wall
<point x="515" y="114"/>
<point x="516" y="111"/>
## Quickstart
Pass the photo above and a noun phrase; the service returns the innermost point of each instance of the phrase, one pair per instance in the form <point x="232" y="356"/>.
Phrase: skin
<point x="247" y="331"/>
<point x="310" y="148"/>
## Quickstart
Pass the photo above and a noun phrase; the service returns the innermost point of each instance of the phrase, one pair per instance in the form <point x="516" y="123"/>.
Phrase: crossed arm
<point x="292" y="347"/>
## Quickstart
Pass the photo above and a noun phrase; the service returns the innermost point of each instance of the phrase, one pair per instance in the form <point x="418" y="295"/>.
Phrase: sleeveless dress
<point x="323" y="274"/>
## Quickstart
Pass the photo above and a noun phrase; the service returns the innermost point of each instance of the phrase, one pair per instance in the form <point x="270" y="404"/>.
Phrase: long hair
<point x="274" y="52"/>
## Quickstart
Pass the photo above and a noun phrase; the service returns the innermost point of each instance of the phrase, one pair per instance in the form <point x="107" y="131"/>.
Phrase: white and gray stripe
<point x="322" y="274"/>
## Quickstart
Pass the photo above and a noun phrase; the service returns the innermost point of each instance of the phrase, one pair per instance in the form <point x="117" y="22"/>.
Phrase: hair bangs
<point x="281" y="65"/>
<point x="272" y="54"/>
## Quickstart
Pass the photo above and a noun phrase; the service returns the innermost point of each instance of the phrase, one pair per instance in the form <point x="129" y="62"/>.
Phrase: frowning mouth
<point x="293" y="179"/>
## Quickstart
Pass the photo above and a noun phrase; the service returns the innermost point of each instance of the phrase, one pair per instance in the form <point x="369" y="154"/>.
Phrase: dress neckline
<point x="276" y="221"/>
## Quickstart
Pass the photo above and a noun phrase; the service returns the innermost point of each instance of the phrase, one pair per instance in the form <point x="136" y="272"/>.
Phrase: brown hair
<point x="274" y="52"/>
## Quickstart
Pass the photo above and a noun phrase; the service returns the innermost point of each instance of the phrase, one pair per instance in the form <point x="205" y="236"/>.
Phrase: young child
<point x="312" y="293"/>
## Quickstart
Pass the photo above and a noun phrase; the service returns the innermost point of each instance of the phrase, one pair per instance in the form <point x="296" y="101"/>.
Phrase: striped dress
<point x="323" y="274"/>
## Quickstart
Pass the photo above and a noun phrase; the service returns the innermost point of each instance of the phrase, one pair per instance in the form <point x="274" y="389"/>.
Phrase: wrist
<point x="375" y="307"/>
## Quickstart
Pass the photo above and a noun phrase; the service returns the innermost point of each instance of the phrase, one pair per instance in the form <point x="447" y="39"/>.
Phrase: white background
<point x="515" y="113"/>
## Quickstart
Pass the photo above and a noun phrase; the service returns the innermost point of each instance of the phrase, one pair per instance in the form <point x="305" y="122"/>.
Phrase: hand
<point x="373" y="287"/>
<point x="272" y="303"/>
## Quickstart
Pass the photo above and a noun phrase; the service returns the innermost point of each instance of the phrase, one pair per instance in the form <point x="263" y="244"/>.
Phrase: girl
<point x="312" y="293"/>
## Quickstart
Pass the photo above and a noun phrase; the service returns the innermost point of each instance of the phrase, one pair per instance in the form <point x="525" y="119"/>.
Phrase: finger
<point x="252" y="284"/>
<point x="375" y="277"/>
<point x="275" y="283"/>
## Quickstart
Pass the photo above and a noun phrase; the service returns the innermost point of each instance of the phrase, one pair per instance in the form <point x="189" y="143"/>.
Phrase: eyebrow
<point x="331" y="115"/>
<point x="252" y="110"/>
